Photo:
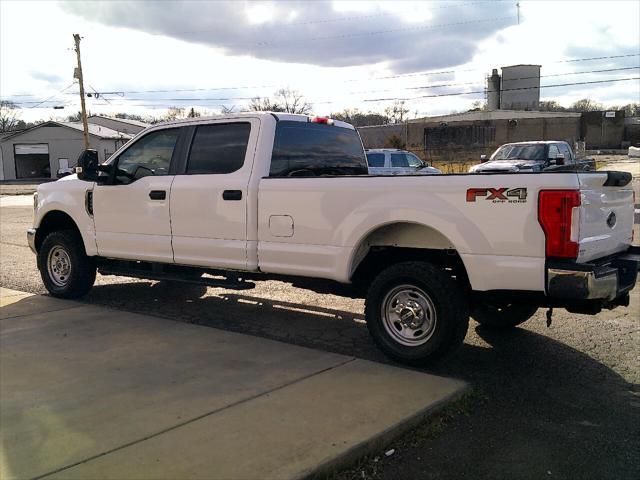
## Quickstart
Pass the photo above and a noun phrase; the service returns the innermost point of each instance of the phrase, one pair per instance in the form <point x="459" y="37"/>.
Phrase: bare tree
<point x="396" y="112"/>
<point x="292" y="101"/>
<point x="550" y="106"/>
<point x="9" y="116"/>
<point x="478" y="105"/>
<point x="173" y="113"/>
<point x="227" y="110"/>
<point x="260" y="104"/>
<point x="586" y="105"/>
<point x="284" y="100"/>
<point x="360" y="119"/>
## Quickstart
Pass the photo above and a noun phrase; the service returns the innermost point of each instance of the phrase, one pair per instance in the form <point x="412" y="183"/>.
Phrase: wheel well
<point x="401" y="242"/>
<point x="380" y="258"/>
<point x="53" y="221"/>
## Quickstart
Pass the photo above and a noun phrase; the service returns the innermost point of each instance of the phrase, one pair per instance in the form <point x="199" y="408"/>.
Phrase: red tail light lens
<point x="555" y="210"/>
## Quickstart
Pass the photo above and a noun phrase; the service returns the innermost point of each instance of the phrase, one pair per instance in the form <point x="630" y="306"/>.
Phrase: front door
<point x="210" y="195"/>
<point x="131" y="214"/>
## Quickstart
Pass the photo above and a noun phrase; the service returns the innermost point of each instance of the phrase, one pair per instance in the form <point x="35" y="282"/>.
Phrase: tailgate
<point x="606" y="214"/>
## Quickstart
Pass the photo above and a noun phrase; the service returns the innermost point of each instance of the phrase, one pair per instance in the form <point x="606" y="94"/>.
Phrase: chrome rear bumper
<point x="606" y="279"/>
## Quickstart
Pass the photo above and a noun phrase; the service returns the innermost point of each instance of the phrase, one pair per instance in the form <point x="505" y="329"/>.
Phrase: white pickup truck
<point x="273" y="195"/>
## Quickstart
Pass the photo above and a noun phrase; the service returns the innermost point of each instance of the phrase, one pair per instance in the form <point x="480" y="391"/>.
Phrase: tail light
<point x="555" y="214"/>
<point x="323" y="120"/>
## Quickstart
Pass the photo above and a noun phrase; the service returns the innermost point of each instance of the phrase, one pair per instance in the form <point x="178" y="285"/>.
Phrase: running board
<point x="177" y="277"/>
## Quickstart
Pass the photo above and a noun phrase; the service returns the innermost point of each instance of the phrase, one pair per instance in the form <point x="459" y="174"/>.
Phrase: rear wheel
<point x="416" y="313"/>
<point x="65" y="268"/>
<point x="503" y="316"/>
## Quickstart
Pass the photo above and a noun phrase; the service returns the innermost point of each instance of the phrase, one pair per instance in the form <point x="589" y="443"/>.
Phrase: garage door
<point x="32" y="160"/>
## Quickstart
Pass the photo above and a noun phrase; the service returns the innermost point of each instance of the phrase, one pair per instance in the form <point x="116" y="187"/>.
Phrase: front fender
<point x="68" y="197"/>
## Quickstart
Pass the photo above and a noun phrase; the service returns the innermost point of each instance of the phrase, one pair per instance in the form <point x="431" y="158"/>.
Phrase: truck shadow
<point x="555" y="406"/>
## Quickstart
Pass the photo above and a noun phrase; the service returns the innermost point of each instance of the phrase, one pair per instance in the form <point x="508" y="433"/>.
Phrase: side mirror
<point x="87" y="168"/>
<point x="560" y="159"/>
<point x="483" y="158"/>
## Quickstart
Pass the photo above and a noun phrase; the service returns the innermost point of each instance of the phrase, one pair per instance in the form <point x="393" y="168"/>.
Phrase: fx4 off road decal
<point x="498" y="195"/>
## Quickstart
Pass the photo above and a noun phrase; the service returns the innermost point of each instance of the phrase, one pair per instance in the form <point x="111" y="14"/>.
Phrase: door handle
<point x="157" y="195"/>
<point x="232" y="195"/>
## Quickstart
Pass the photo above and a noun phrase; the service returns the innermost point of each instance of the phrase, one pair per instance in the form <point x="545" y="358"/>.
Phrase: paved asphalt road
<point x="560" y="402"/>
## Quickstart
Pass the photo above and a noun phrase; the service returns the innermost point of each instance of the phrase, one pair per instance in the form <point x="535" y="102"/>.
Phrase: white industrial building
<point x="41" y="151"/>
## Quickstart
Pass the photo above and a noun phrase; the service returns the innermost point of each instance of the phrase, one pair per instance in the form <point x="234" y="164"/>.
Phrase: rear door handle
<point x="157" y="195"/>
<point x="232" y="195"/>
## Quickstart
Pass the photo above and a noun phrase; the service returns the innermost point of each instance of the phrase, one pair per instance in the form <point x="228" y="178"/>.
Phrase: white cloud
<point x="119" y="58"/>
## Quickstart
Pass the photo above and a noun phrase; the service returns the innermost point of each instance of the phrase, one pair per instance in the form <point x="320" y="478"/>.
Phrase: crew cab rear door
<point x="209" y="194"/>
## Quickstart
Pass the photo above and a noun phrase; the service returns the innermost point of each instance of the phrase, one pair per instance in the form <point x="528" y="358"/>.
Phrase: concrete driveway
<point x="91" y="392"/>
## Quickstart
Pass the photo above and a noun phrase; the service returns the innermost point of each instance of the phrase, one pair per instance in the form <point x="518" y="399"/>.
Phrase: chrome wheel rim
<point x="59" y="266"/>
<point x="408" y="315"/>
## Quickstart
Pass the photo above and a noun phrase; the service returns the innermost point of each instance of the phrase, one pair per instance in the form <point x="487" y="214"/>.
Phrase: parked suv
<point x="387" y="161"/>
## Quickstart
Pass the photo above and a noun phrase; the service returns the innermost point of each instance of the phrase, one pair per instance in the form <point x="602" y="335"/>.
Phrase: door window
<point x="375" y="160"/>
<point x="553" y="152"/>
<point x="566" y="151"/>
<point x="218" y="148"/>
<point x="399" y="160"/>
<point x="151" y="155"/>
<point x="414" y="161"/>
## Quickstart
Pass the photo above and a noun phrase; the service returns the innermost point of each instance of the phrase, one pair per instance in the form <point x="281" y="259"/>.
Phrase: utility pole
<point x="78" y="75"/>
<point x="518" y="7"/>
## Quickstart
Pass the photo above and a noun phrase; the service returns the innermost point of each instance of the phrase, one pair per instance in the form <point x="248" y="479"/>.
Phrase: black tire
<point x="82" y="269"/>
<point x="502" y="316"/>
<point x="447" y="300"/>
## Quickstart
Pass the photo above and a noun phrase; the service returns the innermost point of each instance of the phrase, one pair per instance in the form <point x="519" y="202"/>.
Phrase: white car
<point x="391" y="161"/>
<point x="275" y="195"/>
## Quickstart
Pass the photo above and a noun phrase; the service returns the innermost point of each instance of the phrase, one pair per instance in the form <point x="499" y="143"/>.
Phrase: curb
<point x="378" y="442"/>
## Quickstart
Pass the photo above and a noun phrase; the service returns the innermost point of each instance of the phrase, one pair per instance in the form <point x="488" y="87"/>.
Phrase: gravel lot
<point x="559" y="402"/>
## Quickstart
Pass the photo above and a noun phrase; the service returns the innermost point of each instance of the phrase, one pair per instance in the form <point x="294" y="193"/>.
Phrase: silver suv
<point x="391" y="161"/>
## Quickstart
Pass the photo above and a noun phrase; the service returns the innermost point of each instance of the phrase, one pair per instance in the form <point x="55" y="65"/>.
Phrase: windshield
<point x="520" y="152"/>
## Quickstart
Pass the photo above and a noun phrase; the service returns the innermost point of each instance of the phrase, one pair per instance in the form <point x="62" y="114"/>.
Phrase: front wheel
<point x="65" y="268"/>
<point x="502" y="316"/>
<point x="416" y="313"/>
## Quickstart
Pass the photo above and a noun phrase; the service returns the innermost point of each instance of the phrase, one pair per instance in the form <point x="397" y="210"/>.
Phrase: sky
<point x="143" y="57"/>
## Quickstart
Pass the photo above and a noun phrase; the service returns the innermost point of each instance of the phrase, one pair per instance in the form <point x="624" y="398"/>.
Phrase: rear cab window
<point x="311" y="150"/>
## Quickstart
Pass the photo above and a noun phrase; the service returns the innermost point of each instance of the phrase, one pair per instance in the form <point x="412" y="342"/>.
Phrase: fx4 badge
<point x="498" y="195"/>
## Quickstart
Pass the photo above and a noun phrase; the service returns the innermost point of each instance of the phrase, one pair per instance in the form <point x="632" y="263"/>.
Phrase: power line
<point x="389" y="77"/>
<point x="403" y="88"/>
<point x="606" y="70"/>
<point x="451" y="94"/>
<point x="502" y="90"/>
<point x="54" y="95"/>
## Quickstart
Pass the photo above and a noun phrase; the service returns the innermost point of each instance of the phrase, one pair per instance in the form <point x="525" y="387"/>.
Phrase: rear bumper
<point x="606" y="279"/>
<point x="31" y="239"/>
